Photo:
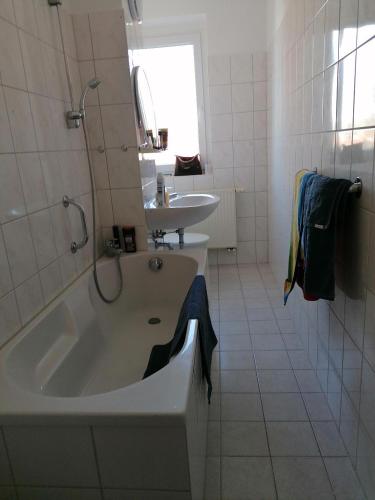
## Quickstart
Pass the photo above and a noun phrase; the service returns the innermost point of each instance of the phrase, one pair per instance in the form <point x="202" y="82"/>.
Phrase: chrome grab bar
<point x="75" y="246"/>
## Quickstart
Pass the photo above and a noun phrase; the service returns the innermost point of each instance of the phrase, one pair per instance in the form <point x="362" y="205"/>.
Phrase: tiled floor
<point x="271" y="434"/>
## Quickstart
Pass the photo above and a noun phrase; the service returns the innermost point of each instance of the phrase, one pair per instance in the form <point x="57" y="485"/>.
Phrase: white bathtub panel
<point x="197" y="416"/>
<point x="145" y="495"/>
<point x="5" y="474"/>
<point x="126" y="459"/>
<point x="58" y="456"/>
<point x="58" y="494"/>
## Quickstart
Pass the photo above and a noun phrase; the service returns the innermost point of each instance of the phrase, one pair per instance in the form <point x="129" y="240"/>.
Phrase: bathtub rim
<point x="19" y="405"/>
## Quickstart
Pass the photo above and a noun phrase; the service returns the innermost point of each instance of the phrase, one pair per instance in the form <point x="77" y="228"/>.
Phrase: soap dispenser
<point x="160" y="190"/>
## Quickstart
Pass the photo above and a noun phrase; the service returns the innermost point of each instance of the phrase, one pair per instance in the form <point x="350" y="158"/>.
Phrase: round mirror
<point x="146" y="119"/>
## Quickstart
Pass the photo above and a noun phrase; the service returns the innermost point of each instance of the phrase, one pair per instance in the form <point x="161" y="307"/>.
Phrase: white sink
<point x="184" y="210"/>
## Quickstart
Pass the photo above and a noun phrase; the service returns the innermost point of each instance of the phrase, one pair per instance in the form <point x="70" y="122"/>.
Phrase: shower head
<point x="73" y="117"/>
<point x="91" y="84"/>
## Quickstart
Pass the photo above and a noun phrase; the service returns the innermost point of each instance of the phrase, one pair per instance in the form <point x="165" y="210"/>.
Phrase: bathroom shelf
<point x="151" y="150"/>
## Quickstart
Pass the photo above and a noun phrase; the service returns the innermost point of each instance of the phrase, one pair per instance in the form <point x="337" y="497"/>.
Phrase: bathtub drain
<point x="154" y="321"/>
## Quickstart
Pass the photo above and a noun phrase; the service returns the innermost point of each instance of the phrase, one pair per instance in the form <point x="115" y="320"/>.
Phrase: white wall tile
<point x="260" y="152"/>
<point x="223" y="178"/>
<point x="364" y="114"/>
<point x="6" y="10"/>
<point x="21" y="121"/>
<point x="345" y="92"/>
<point x="261" y="230"/>
<point x="51" y="280"/>
<point x="119" y="125"/>
<point x="308" y="54"/>
<point x="116" y="85"/>
<point x="260" y="124"/>
<point x="246" y="252"/>
<point x="205" y="181"/>
<point x="62" y="229"/>
<point x="260" y="66"/>
<point x="29" y="298"/>
<point x="32" y="181"/>
<point x="261" y="204"/>
<point x="52" y="177"/>
<point x="221" y="127"/>
<point x="366" y="21"/>
<point x="242" y="97"/>
<point x="244" y="178"/>
<point x="348" y="27"/>
<point x="260" y="96"/>
<point x="246" y="229"/>
<point x="123" y="168"/>
<point x="33" y="59"/>
<point x="220" y="99"/>
<point x="12" y="203"/>
<point x="332" y="24"/>
<point x="219" y="69"/>
<point x="184" y="183"/>
<point x="6" y="142"/>
<point x="317" y="104"/>
<point x="318" y="47"/>
<point x="330" y="98"/>
<point x="9" y="317"/>
<point x="84" y="47"/>
<point x="241" y="66"/>
<point x="245" y="204"/>
<point x="262" y="251"/>
<point x="243" y="154"/>
<point x="43" y="237"/>
<point x="5" y="279"/>
<point x="243" y="126"/>
<point x="44" y="127"/>
<point x="260" y="179"/>
<point x="222" y="154"/>
<point x="363" y="163"/>
<point x="108" y="34"/>
<point x="128" y="207"/>
<point x="11" y="66"/>
<point x="17" y="236"/>
<point x="99" y="163"/>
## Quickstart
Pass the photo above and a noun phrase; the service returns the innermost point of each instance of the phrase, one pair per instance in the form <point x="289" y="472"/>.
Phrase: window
<point x="174" y="76"/>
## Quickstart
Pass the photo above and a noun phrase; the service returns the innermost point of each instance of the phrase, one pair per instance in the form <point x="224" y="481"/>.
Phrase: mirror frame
<point x="140" y="112"/>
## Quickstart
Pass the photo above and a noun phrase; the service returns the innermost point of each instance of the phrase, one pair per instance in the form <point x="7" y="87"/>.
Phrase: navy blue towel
<point x="323" y="201"/>
<point x="195" y="306"/>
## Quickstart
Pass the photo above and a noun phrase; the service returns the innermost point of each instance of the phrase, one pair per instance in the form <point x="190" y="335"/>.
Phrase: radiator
<point x="221" y="224"/>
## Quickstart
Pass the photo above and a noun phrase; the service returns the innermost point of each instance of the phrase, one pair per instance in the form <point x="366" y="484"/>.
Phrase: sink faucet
<point x="158" y="234"/>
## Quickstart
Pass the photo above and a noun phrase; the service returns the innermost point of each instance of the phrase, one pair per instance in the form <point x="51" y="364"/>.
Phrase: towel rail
<point x="355" y="188"/>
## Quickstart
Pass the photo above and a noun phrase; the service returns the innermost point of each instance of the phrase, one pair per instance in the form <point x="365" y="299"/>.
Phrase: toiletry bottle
<point x="129" y="239"/>
<point x="118" y="237"/>
<point x="160" y="191"/>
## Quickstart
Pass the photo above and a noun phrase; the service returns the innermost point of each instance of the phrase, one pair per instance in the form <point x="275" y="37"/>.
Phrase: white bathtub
<point x="74" y="375"/>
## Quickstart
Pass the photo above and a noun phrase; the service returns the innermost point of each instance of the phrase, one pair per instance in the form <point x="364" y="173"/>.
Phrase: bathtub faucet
<point x="111" y="249"/>
<point x="157" y="235"/>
